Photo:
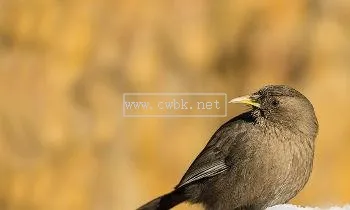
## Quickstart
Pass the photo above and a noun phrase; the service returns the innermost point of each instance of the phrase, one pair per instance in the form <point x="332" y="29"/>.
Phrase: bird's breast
<point x="282" y="162"/>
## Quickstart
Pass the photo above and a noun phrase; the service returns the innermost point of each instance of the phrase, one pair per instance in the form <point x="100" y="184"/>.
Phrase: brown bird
<point x="258" y="159"/>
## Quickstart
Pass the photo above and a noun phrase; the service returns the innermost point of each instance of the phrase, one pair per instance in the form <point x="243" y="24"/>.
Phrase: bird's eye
<point x="275" y="102"/>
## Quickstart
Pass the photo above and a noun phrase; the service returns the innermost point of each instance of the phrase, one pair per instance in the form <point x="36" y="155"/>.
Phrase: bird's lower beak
<point x="246" y="100"/>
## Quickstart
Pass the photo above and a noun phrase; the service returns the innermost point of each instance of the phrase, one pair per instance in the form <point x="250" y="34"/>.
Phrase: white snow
<point x="293" y="207"/>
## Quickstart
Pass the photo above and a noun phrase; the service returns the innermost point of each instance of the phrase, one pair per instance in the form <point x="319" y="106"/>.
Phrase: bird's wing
<point x="205" y="171"/>
<point x="212" y="160"/>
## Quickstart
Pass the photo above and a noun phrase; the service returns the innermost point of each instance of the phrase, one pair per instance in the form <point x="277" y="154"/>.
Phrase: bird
<point x="260" y="158"/>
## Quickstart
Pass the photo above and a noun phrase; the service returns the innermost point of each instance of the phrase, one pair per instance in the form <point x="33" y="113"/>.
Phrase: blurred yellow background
<point x="64" y="65"/>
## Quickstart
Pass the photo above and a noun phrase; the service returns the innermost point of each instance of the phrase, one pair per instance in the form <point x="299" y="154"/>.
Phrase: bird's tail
<point x="165" y="202"/>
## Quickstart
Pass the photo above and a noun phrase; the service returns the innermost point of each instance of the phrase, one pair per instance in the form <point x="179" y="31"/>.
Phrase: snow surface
<point x="293" y="207"/>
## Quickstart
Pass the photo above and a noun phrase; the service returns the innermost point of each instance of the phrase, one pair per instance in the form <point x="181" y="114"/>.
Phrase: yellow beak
<point x="245" y="100"/>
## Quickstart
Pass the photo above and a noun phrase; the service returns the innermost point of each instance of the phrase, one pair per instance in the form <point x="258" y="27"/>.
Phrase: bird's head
<point x="282" y="105"/>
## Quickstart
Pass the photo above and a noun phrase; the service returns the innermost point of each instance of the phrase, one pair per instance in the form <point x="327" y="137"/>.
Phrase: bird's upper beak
<point x="250" y="100"/>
